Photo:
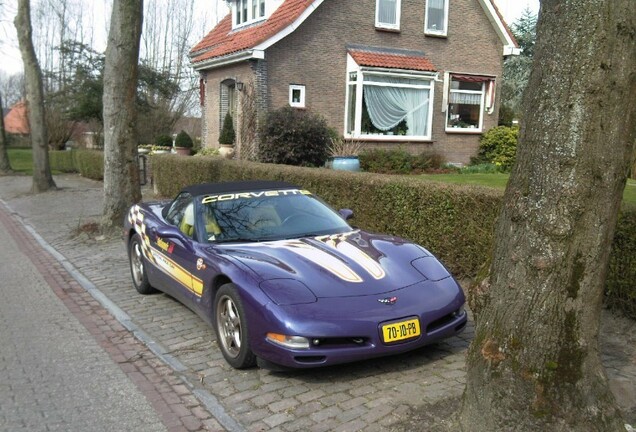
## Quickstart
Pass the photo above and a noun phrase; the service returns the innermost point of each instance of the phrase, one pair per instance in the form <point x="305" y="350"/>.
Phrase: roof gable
<point x="224" y="45"/>
<point x="16" y="121"/>
<point x="222" y="40"/>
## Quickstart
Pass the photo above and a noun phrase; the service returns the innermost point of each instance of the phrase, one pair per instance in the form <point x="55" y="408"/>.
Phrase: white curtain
<point x="388" y="106"/>
<point x="387" y="11"/>
<point x="436" y="15"/>
<point x="465" y="98"/>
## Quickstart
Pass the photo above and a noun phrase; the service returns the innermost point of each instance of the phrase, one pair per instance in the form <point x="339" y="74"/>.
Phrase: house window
<point x="297" y="96"/>
<point x="436" y="17"/>
<point x="247" y="11"/>
<point x="468" y="98"/>
<point x="389" y="106"/>
<point x="387" y="14"/>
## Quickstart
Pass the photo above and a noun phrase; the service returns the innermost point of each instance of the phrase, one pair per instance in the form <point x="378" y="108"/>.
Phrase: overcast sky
<point x="10" y="56"/>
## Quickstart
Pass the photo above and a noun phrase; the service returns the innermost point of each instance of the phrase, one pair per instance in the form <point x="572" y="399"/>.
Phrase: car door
<point x="176" y="257"/>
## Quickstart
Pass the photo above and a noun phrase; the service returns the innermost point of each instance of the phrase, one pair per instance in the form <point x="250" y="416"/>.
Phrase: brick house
<point x="420" y="74"/>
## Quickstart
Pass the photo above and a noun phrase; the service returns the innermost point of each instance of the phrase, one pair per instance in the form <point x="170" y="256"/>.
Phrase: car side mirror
<point x="346" y="214"/>
<point x="169" y="232"/>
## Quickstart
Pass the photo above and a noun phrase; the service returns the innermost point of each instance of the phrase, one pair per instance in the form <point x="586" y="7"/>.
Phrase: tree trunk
<point x="42" y="178"/>
<point x="121" y="172"/>
<point x="5" y="165"/>
<point x="534" y="362"/>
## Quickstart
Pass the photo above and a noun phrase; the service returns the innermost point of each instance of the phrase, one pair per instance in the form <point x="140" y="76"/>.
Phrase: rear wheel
<point x="231" y="328"/>
<point x="137" y="266"/>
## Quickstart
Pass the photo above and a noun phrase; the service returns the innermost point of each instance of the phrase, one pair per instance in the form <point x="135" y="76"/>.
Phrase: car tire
<point x="230" y="324"/>
<point x="138" y="266"/>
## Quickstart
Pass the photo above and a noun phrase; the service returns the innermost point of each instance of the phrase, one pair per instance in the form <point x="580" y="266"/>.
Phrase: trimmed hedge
<point x="455" y="222"/>
<point x="89" y="163"/>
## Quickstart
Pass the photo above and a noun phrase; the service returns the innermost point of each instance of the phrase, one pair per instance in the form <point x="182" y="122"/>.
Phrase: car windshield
<point x="267" y="215"/>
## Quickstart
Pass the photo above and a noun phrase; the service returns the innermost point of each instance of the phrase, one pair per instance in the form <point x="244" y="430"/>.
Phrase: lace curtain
<point x="388" y="106"/>
<point x="387" y="11"/>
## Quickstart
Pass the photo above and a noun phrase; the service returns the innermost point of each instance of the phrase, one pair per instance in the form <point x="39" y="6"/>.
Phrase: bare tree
<point x="121" y="172"/>
<point x="12" y="88"/>
<point x="534" y="363"/>
<point x="5" y="164"/>
<point x="42" y="178"/>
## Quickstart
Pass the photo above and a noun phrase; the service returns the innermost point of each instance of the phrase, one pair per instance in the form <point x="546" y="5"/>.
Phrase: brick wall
<point x="315" y="56"/>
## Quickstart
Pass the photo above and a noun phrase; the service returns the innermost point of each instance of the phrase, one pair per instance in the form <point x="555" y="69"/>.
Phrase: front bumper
<point x="347" y="329"/>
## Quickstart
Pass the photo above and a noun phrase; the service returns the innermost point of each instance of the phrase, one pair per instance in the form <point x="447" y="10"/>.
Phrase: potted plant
<point x="344" y="154"/>
<point x="183" y="143"/>
<point x="227" y="137"/>
<point x="144" y="148"/>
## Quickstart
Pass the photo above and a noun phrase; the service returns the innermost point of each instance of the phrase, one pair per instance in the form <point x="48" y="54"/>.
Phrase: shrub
<point x="398" y="161"/>
<point x="294" y="137"/>
<point x="484" y="168"/>
<point x="62" y="161"/>
<point x="499" y="146"/>
<point x="183" y="140"/>
<point x="164" y="141"/>
<point x="455" y="222"/>
<point x="90" y="164"/>
<point x="228" y="136"/>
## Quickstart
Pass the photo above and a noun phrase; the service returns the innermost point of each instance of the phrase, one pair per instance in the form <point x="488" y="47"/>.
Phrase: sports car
<point x="285" y="281"/>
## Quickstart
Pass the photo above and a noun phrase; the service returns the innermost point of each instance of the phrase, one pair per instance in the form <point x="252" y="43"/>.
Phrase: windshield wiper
<point x="239" y="240"/>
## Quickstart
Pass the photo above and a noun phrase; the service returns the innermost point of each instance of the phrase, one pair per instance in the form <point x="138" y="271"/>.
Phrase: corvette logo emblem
<point x="388" y="300"/>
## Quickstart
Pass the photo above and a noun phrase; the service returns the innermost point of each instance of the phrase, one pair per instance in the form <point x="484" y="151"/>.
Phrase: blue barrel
<point x="346" y="163"/>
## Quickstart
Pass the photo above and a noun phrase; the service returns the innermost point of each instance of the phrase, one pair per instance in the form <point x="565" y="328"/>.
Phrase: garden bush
<point x="294" y="137"/>
<point x="499" y="147"/>
<point x="63" y="161"/>
<point x="90" y="164"/>
<point x="455" y="222"/>
<point x="398" y="161"/>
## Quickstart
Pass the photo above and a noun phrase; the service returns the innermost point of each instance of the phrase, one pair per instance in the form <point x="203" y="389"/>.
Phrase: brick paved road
<point x="373" y="395"/>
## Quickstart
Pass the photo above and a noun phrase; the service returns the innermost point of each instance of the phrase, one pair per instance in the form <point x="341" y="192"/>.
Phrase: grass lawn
<point x="500" y="180"/>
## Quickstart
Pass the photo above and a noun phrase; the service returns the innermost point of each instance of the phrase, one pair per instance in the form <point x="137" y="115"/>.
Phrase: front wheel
<point x="231" y="328"/>
<point x="137" y="266"/>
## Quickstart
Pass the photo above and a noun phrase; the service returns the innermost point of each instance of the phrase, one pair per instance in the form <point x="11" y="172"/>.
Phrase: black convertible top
<point x="239" y="186"/>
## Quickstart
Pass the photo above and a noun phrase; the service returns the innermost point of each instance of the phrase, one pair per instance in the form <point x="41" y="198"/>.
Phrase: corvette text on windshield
<point x="248" y="195"/>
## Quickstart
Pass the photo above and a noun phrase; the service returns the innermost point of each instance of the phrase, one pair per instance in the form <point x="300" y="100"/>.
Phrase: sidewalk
<point x="377" y="395"/>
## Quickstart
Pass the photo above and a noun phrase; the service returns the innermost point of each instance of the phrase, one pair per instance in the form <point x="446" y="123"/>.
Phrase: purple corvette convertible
<point x="283" y="278"/>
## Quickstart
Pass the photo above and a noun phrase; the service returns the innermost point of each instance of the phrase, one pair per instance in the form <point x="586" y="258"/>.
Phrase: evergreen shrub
<point x="294" y="137"/>
<point x="183" y="140"/>
<point x="499" y="147"/>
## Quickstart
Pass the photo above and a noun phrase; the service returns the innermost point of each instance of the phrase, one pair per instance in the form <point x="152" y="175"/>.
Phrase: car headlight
<point x="430" y="268"/>
<point x="287" y="292"/>
<point x="293" y="342"/>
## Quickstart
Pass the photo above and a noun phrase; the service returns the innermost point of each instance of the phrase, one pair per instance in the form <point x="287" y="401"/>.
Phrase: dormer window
<point x="248" y="11"/>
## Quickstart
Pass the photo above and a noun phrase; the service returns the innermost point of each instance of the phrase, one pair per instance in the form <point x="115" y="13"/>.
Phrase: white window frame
<point x="301" y="88"/>
<point x="482" y="108"/>
<point x="428" y="83"/>
<point x="434" y="32"/>
<point x="250" y="19"/>
<point x="396" y="26"/>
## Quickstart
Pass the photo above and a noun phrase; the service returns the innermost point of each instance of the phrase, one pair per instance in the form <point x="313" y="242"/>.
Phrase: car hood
<point x="341" y="265"/>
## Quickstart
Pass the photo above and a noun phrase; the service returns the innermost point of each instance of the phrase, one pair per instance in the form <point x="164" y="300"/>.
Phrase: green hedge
<point x="455" y="222"/>
<point x="89" y="163"/>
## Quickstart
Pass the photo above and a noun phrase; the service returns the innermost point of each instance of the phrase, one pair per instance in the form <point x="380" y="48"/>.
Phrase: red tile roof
<point x="222" y="40"/>
<point x="391" y="60"/>
<point x="16" y="121"/>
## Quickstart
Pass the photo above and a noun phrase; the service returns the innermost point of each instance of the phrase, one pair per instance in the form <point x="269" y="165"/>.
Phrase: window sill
<point x="387" y="29"/>
<point x="470" y="131"/>
<point x="436" y="35"/>
<point x="388" y="138"/>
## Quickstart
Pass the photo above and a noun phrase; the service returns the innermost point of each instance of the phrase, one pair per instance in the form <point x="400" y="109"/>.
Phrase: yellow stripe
<point x="178" y="273"/>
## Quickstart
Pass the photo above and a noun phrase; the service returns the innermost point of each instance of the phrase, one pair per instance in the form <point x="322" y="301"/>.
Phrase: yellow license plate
<point x="401" y="330"/>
